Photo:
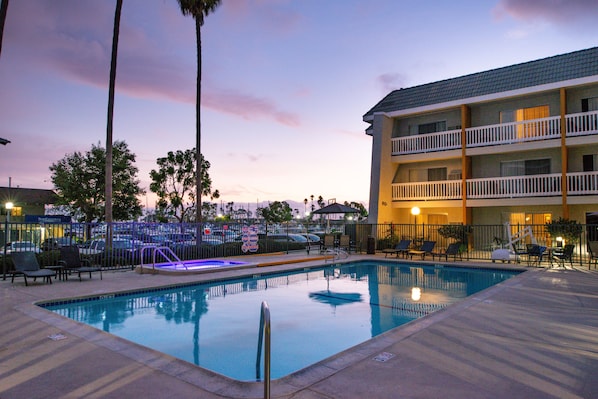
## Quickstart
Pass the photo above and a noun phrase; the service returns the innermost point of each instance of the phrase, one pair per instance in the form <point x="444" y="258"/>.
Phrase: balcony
<point x="580" y="124"/>
<point x="580" y="183"/>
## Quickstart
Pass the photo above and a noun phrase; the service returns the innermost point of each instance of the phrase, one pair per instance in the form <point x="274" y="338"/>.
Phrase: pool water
<point x="315" y="313"/>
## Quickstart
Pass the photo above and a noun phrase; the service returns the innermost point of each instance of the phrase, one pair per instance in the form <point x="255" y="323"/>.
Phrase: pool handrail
<point x="155" y="249"/>
<point x="265" y="331"/>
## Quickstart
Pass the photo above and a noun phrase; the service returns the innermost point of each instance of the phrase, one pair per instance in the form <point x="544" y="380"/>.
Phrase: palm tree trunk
<point x="3" y="10"/>
<point x="111" y="86"/>
<point x="198" y="215"/>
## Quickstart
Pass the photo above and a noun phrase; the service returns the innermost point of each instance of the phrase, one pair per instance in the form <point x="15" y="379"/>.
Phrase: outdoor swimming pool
<point x="316" y="312"/>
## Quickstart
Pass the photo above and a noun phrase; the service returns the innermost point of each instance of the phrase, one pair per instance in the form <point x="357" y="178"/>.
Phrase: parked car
<point x="288" y="237"/>
<point x="51" y="244"/>
<point x="97" y="246"/>
<point x="312" y="238"/>
<point x="22" y="246"/>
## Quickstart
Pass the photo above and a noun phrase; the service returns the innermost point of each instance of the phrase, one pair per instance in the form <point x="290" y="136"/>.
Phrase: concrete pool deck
<point x="532" y="336"/>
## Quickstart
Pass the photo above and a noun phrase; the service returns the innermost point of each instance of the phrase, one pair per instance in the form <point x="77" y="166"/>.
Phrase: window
<point x="526" y="114"/>
<point x="432" y="174"/>
<point x="432" y="127"/>
<point x="436" y="174"/>
<point x="527" y="167"/>
<point x="589" y="104"/>
<point x="16" y="211"/>
<point x="590" y="162"/>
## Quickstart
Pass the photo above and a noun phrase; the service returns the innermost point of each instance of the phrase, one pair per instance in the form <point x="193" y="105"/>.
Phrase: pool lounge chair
<point x="401" y="248"/>
<point x="71" y="261"/>
<point x="452" y="250"/>
<point x="426" y="248"/>
<point x="26" y="265"/>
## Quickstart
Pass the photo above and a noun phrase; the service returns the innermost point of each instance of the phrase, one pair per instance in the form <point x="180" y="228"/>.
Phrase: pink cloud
<point x="77" y="44"/>
<point x="558" y="11"/>
<point x="390" y="81"/>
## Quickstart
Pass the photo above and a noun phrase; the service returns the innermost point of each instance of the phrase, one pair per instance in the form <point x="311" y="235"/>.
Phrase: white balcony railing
<point x="580" y="183"/>
<point x="436" y="190"/>
<point x="514" y="186"/>
<point x="514" y="132"/>
<point x="441" y="141"/>
<point x="585" y="123"/>
<point x="582" y="124"/>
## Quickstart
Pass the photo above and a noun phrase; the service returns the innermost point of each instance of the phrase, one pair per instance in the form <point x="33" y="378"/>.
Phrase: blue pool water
<point x="315" y="313"/>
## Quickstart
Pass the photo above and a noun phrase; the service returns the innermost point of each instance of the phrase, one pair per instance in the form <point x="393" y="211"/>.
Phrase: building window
<point x="436" y="174"/>
<point x="589" y="104"/>
<point x="526" y="167"/>
<point x="422" y="175"/>
<point x="432" y="127"/>
<point x="526" y="114"/>
<point x="590" y="162"/>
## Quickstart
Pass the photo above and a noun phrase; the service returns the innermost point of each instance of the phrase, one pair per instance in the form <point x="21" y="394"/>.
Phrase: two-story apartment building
<point x="516" y="144"/>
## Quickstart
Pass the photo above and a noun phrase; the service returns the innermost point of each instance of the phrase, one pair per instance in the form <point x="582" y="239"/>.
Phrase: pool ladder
<point x="264" y="335"/>
<point x="166" y="253"/>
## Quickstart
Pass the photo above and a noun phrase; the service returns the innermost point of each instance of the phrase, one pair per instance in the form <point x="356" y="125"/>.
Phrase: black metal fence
<point x="234" y="239"/>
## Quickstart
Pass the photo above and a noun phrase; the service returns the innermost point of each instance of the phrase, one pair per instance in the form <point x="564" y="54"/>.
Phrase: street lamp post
<point x="415" y="211"/>
<point x="8" y="206"/>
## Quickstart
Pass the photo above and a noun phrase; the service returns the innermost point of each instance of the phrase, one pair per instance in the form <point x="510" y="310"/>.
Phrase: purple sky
<point x="285" y="82"/>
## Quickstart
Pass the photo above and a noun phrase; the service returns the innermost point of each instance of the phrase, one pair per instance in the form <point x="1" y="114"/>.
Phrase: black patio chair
<point x="426" y="248"/>
<point x="401" y="248"/>
<point x="560" y="255"/>
<point x="71" y="261"/>
<point x="451" y="250"/>
<point x="535" y="253"/>
<point x="26" y="265"/>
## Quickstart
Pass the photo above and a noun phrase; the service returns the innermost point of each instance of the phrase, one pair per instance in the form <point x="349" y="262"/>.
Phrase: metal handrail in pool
<point x="160" y="250"/>
<point x="265" y="330"/>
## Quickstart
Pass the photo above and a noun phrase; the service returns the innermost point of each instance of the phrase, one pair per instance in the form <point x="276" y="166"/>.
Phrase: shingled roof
<point x="26" y="196"/>
<point x="578" y="64"/>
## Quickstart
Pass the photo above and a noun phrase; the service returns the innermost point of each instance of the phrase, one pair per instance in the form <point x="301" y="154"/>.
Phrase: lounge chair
<point x="71" y="261"/>
<point x="593" y="248"/>
<point x="401" y="248"/>
<point x="452" y="250"/>
<point x="560" y="255"/>
<point x="426" y="248"/>
<point x="26" y="265"/>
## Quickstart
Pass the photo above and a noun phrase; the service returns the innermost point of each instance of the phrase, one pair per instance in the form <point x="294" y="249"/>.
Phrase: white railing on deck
<point x="582" y="124"/>
<point x="514" y="186"/>
<point x="582" y="183"/>
<point x="514" y="132"/>
<point x="440" y="141"/>
<point x="579" y="183"/>
<point x="433" y="190"/>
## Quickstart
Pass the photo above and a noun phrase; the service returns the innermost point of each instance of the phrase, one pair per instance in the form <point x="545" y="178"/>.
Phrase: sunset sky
<point x="285" y="82"/>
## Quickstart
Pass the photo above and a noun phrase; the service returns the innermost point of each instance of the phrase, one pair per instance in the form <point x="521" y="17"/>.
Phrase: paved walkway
<point x="533" y="336"/>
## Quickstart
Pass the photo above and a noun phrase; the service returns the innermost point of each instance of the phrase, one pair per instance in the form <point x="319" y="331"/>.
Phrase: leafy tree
<point x="198" y="9"/>
<point x="276" y="212"/>
<point x="174" y="183"/>
<point x="79" y="181"/>
<point x="111" y="86"/>
<point x="570" y="230"/>
<point x="363" y="213"/>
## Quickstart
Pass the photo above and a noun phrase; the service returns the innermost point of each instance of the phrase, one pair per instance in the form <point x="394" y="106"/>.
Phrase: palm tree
<point x="3" y="10"/>
<point x="108" y="195"/>
<point x="198" y="9"/>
